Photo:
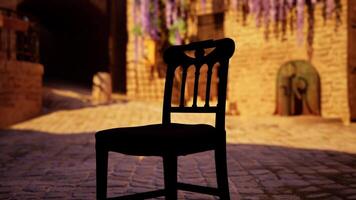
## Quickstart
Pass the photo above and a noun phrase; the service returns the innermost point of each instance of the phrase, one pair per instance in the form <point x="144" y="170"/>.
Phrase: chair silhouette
<point x="170" y="140"/>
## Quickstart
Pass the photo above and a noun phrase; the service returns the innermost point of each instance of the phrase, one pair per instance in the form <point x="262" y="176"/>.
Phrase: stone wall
<point x="256" y="62"/>
<point x="20" y="91"/>
<point x="254" y="67"/>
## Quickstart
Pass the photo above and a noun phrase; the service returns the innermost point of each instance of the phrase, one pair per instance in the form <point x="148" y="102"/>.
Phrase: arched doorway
<point x="73" y="38"/>
<point x="298" y="89"/>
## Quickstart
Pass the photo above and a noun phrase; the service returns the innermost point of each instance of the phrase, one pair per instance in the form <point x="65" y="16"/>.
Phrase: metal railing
<point x="19" y="37"/>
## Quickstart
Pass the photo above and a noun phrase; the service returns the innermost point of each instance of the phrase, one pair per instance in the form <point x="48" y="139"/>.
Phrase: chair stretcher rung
<point x="197" y="188"/>
<point x="142" y="195"/>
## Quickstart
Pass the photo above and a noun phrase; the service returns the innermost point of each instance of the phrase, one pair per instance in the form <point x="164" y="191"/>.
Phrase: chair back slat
<point x="208" y="84"/>
<point x="199" y="56"/>
<point x="176" y="56"/>
<point x="182" y="89"/>
<point x="196" y="85"/>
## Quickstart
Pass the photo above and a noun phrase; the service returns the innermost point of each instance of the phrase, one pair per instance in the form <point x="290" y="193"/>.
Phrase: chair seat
<point x="159" y="139"/>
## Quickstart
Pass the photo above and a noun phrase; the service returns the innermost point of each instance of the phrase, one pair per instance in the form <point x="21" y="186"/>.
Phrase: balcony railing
<point x="19" y="37"/>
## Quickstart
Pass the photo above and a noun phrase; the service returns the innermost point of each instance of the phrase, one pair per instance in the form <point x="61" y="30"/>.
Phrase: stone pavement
<point x="53" y="156"/>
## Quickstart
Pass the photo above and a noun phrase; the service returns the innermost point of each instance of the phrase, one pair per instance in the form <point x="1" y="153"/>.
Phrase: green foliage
<point x="137" y="30"/>
<point x="178" y="27"/>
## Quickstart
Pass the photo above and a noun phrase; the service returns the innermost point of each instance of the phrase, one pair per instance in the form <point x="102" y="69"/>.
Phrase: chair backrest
<point x="176" y="57"/>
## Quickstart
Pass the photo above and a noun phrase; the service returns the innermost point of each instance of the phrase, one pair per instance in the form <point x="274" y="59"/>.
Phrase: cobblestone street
<point x="53" y="156"/>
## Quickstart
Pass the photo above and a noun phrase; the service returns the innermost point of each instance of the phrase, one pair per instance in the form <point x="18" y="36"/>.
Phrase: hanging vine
<point x="165" y="21"/>
<point x="288" y="12"/>
<point x="160" y="20"/>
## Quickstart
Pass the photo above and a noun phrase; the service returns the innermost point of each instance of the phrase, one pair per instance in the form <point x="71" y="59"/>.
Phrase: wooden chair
<point x="170" y="140"/>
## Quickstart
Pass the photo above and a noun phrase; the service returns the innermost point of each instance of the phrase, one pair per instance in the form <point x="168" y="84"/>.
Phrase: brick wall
<point x="254" y="67"/>
<point x="20" y="82"/>
<point x="20" y="91"/>
<point x="143" y="80"/>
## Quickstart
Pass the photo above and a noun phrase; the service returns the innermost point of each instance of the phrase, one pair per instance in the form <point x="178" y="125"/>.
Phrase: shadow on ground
<point x="35" y="165"/>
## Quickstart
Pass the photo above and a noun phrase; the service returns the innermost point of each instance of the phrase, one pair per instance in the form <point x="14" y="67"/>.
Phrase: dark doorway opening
<point x="73" y="38"/>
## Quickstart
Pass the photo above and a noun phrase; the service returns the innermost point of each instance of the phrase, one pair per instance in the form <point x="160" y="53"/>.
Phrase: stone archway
<point x="298" y="89"/>
<point x="73" y="38"/>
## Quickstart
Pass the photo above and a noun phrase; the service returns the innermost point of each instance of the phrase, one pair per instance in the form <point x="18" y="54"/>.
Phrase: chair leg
<point x="221" y="172"/>
<point x="170" y="177"/>
<point x="101" y="173"/>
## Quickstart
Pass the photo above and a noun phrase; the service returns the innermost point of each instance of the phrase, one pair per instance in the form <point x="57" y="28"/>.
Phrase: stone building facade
<point x="254" y="68"/>
<point x="257" y="65"/>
